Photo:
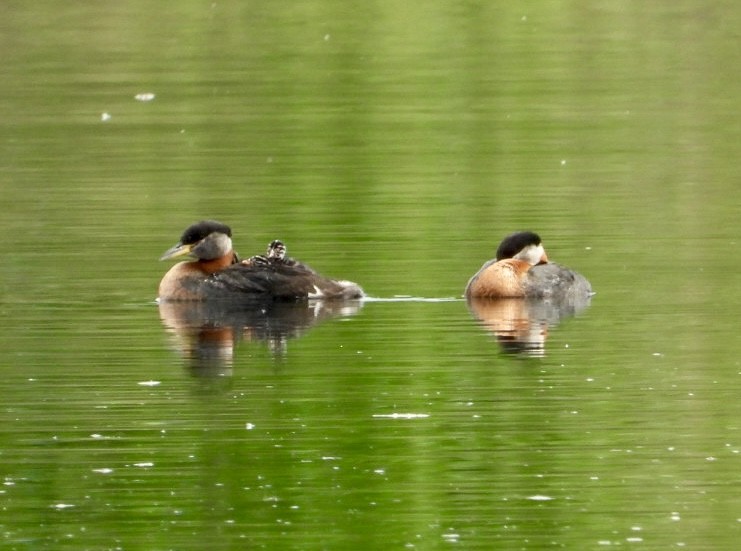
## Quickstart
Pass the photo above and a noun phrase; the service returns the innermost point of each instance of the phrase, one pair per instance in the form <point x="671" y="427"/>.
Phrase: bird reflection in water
<point x="214" y="300"/>
<point x="206" y="334"/>
<point x="520" y="294"/>
<point x="521" y="325"/>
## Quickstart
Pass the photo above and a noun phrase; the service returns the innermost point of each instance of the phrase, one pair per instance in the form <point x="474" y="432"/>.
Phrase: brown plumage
<point x="499" y="279"/>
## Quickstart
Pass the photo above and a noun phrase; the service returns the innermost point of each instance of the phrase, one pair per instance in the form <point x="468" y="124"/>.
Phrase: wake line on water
<point x="406" y="298"/>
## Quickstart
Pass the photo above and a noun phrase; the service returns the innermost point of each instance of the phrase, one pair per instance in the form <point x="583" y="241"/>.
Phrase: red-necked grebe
<point x="217" y="274"/>
<point x="521" y="269"/>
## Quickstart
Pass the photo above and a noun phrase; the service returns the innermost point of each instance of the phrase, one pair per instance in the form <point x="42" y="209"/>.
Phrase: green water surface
<point x="392" y="144"/>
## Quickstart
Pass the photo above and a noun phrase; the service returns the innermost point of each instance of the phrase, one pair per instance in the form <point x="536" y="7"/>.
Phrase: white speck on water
<point x="634" y="540"/>
<point x="451" y="537"/>
<point x="144" y="464"/>
<point x="149" y="383"/>
<point x="563" y="162"/>
<point x="711" y="458"/>
<point x="104" y="470"/>
<point x="144" y="96"/>
<point x="105" y="117"/>
<point x="675" y="516"/>
<point x="379" y="471"/>
<point x="326" y="37"/>
<point x="539" y="498"/>
<point x="61" y="506"/>
<point x="249" y="426"/>
<point x="400" y="415"/>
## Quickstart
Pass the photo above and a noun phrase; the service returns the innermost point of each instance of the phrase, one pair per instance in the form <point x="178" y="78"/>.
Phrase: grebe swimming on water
<point x="521" y="269"/>
<point x="217" y="274"/>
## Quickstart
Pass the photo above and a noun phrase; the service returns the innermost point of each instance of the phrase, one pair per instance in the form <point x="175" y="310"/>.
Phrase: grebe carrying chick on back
<point x="521" y="269"/>
<point x="216" y="272"/>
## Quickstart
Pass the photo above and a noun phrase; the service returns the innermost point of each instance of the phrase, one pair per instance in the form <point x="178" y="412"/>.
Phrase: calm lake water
<point x="393" y="145"/>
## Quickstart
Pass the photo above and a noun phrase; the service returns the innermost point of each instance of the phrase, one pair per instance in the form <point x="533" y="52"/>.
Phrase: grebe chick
<point x="276" y="253"/>
<point x="277" y="250"/>
<point x="216" y="273"/>
<point x="522" y="269"/>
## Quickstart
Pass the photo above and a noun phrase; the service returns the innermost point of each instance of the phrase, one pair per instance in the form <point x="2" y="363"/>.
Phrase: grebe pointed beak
<point x="176" y="251"/>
